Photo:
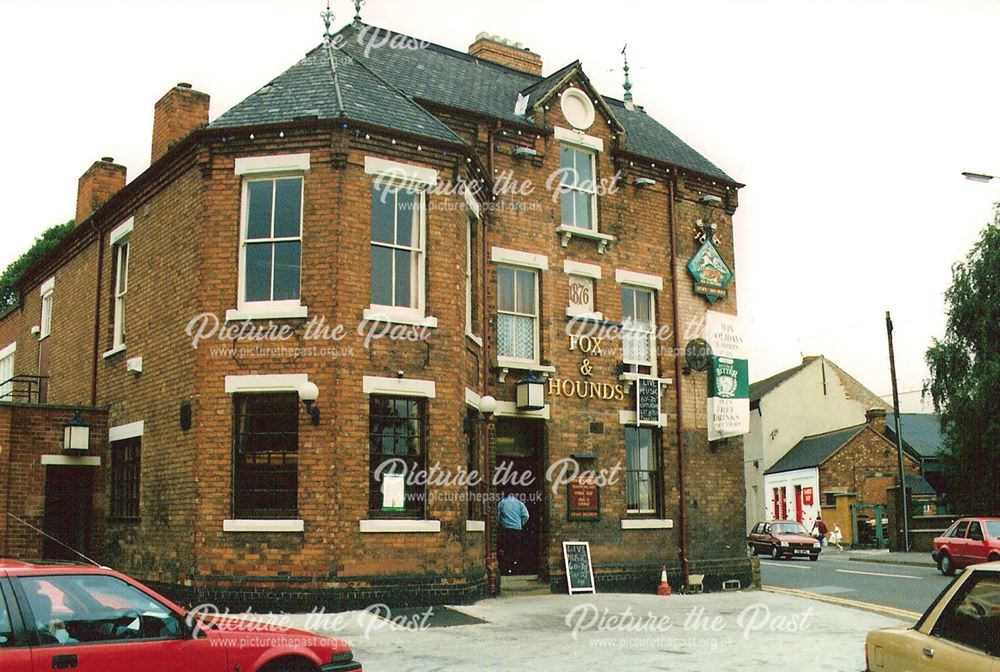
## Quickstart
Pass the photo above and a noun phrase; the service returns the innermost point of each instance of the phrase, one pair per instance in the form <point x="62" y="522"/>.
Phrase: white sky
<point x="849" y="122"/>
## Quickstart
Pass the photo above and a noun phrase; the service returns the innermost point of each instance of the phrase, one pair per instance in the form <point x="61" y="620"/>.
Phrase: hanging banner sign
<point x="728" y="379"/>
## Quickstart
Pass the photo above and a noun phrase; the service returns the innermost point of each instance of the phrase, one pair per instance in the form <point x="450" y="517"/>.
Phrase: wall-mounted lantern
<point x="308" y="393"/>
<point x="530" y="393"/>
<point x="76" y="433"/>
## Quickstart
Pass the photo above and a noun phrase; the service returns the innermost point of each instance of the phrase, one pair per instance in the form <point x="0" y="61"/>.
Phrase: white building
<point x="814" y="397"/>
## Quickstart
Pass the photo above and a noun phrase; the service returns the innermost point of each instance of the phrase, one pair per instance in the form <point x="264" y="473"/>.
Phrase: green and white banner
<point x="728" y="378"/>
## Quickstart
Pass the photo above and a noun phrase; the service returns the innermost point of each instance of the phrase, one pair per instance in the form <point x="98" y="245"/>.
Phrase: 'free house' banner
<point x="728" y="378"/>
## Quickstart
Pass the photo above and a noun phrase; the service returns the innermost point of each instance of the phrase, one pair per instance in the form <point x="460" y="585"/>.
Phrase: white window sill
<point x="475" y="339"/>
<point x="388" y="315"/>
<point x="114" y="351"/>
<point x="263" y="526"/>
<point x="567" y="232"/>
<point x="475" y="526"/>
<point x="597" y="317"/>
<point x="391" y="525"/>
<point x="647" y="524"/>
<point x="263" y="313"/>
<point x="505" y="365"/>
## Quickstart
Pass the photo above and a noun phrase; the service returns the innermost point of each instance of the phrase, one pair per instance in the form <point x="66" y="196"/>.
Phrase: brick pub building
<point x="209" y="477"/>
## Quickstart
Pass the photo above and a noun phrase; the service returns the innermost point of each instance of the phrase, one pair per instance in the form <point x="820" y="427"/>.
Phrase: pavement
<point x="746" y="630"/>
<point x="890" y="558"/>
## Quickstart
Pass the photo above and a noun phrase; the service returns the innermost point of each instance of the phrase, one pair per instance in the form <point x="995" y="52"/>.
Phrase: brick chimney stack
<point x="101" y="181"/>
<point x="505" y="52"/>
<point x="876" y="418"/>
<point x="180" y="111"/>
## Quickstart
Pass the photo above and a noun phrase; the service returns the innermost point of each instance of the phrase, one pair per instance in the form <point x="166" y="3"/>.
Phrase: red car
<point x="783" y="539"/>
<point x="968" y="541"/>
<point x="94" y="619"/>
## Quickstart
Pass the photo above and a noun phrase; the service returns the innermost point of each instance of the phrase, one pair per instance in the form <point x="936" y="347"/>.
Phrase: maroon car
<point x="94" y="619"/>
<point x="783" y="539"/>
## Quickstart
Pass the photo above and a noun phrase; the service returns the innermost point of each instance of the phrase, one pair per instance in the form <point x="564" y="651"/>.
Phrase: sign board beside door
<point x="579" y="570"/>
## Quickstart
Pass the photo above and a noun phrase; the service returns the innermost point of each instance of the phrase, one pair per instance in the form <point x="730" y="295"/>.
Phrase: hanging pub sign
<point x="710" y="272"/>
<point x="579" y="571"/>
<point x="584" y="498"/>
<point x="728" y="380"/>
<point x="647" y="401"/>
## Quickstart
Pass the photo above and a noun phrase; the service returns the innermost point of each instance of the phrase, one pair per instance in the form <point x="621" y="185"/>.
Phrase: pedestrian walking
<point x="512" y="515"/>
<point x="837" y="537"/>
<point x="820" y="529"/>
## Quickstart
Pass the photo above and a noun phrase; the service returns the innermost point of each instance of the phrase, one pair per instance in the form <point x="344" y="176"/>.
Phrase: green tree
<point x="42" y="246"/>
<point x="965" y="378"/>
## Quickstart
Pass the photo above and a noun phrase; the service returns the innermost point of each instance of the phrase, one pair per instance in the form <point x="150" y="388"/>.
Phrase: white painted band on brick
<point x="404" y="386"/>
<point x="580" y="268"/>
<point x="71" y="460"/>
<point x="263" y="526"/>
<point x="475" y="526"/>
<point x="404" y="172"/>
<point x="628" y="418"/>
<point x="9" y="350"/>
<point x="121" y="231"/>
<point x="472" y="399"/>
<point x="578" y="138"/>
<point x="47" y="286"/>
<point x="129" y="431"/>
<point x="274" y="382"/>
<point x="277" y="163"/>
<point x="647" y="524"/>
<point x="509" y="409"/>
<point x="374" y="526"/>
<point x="501" y="255"/>
<point x="639" y="279"/>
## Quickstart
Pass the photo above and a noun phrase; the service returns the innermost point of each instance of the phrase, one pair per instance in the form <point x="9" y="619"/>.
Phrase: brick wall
<point x="867" y="465"/>
<point x="27" y="432"/>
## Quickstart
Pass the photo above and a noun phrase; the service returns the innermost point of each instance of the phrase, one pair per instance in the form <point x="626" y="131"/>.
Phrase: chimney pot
<point x="180" y="111"/>
<point x="108" y="159"/>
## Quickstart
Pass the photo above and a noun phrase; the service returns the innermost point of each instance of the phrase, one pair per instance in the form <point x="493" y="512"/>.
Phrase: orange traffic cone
<point x="664" y="587"/>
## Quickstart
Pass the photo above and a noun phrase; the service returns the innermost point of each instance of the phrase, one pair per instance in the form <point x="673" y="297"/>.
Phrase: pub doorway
<point x="519" y="471"/>
<point x="68" y="508"/>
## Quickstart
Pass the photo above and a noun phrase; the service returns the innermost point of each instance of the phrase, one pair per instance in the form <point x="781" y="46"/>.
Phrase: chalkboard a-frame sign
<point x="579" y="570"/>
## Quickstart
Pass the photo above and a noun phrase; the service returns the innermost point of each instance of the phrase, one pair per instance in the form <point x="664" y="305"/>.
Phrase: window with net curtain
<point x="517" y="314"/>
<point x="641" y="469"/>
<point x="637" y="326"/>
<point x="396" y="246"/>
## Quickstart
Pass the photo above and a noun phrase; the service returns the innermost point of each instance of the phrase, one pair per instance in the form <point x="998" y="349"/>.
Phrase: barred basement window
<point x="266" y="460"/>
<point x="397" y="445"/>
<point x="641" y="478"/>
<point x="125" y="470"/>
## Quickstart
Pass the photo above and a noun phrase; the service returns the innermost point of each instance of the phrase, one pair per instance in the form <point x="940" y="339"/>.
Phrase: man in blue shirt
<point x="512" y="515"/>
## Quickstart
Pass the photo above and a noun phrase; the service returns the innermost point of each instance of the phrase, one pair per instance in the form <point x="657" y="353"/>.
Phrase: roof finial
<point x="627" y="85"/>
<point x="357" y="10"/>
<point x="327" y="17"/>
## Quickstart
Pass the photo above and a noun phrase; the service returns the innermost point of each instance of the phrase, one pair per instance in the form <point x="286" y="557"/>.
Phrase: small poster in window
<point x="392" y="492"/>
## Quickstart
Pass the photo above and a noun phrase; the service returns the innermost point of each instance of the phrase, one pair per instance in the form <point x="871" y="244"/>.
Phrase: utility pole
<point x="899" y="435"/>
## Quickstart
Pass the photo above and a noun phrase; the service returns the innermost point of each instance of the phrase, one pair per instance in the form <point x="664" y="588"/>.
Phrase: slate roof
<point x="921" y="432"/>
<point x="918" y="485"/>
<point x="812" y="451"/>
<point x="762" y="387"/>
<point x="329" y="83"/>
<point x="386" y="86"/>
